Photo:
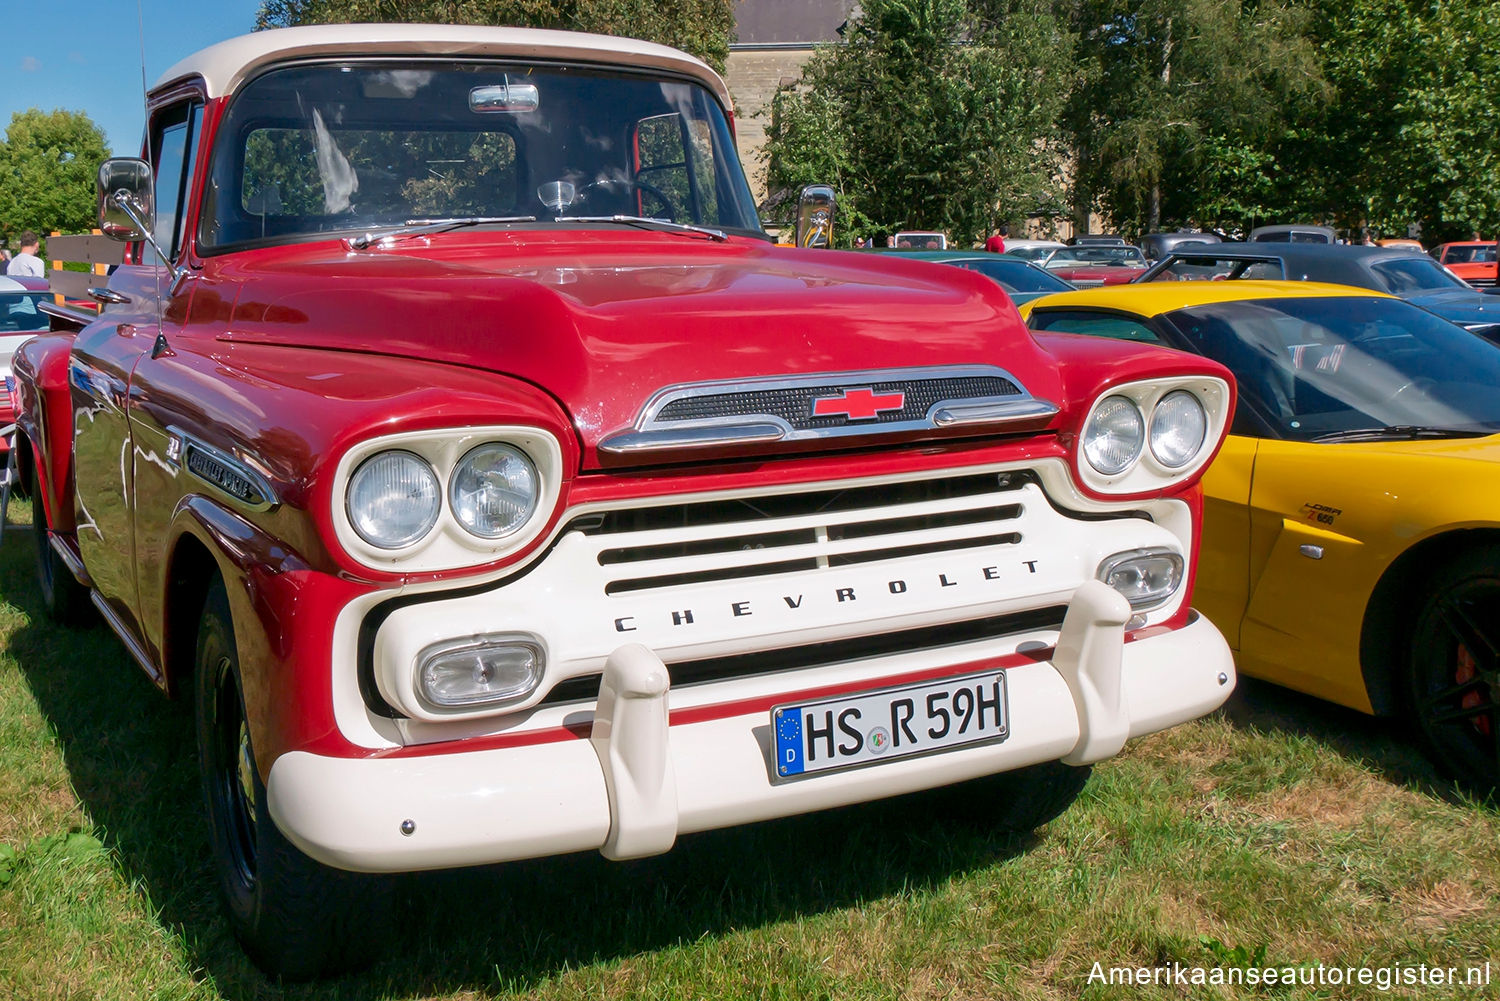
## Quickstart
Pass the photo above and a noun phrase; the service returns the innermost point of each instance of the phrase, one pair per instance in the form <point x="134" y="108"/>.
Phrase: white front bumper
<point x="630" y="783"/>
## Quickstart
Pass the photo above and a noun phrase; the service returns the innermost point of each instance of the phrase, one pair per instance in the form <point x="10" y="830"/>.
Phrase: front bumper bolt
<point x="408" y="828"/>
<point x="1223" y="678"/>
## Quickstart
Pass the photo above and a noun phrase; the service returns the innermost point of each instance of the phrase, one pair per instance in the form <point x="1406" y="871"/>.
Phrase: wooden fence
<point x="97" y="251"/>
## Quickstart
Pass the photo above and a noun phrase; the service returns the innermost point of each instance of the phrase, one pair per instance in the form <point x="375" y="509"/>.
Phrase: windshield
<point x="20" y="312"/>
<point x="1179" y="269"/>
<point x="1319" y="365"/>
<point x="1413" y="275"/>
<point x="1028" y="253"/>
<point x="1067" y="257"/>
<point x="325" y="148"/>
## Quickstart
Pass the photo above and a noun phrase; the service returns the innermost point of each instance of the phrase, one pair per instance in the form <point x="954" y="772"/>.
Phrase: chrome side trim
<point x="221" y="472"/>
<point x="652" y="433"/>
<point x="70" y="558"/>
<point x="991" y="413"/>
<point x="694" y="437"/>
<point x="68" y="313"/>
<point x="136" y="653"/>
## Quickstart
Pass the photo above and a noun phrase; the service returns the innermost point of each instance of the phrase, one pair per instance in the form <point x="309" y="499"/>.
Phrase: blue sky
<point x="85" y="55"/>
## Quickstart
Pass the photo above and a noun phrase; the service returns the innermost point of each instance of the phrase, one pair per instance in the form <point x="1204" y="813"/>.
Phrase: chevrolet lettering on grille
<point x="858" y="404"/>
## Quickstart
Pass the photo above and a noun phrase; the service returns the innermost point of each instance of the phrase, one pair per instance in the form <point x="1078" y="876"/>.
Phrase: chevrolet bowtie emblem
<point x="857" y="404"/>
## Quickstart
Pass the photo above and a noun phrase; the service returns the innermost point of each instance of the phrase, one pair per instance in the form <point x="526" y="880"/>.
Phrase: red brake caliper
<point x="1466" y="672"/>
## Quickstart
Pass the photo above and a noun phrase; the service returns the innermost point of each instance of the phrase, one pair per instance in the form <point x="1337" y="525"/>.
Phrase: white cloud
<point x="78" y="58"/>
<point x="30" y="64"/>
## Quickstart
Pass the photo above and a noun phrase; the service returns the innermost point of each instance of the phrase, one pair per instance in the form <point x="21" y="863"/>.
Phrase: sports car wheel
<point x="65" y="600"/>
<point x="1454" y="672"/>
<point x="295" y="917"/>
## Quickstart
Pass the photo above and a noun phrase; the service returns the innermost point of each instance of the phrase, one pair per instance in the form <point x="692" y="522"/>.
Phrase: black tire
<point x="295" y="917"/>
<point x="1017" y="802"/>
<point x="66" y="600"/>
<point x="1453" y="670"/>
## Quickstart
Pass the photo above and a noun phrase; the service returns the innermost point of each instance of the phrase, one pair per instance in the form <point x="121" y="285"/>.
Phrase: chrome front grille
<point x="794" y="404"/>
<point x="676" y="545"/>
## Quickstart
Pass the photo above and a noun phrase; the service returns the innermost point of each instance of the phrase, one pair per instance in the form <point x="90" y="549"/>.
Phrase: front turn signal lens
<point x="1146" y="577"/>
<point x="481" y="672"/>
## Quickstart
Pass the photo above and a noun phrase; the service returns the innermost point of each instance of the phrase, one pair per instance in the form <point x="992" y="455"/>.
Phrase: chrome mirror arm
<point x="126" y="204"/>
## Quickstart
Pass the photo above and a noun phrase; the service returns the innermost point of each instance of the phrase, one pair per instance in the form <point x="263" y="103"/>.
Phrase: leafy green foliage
<point x="933" y="114"/>
<point x="1176" y="104"/>
<point x="48" y="160"/>
<point x="702" y="27"/>
<point x="1412" y="132"/>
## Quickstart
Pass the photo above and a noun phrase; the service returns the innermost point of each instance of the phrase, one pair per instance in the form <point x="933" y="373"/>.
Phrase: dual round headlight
<point x="1117" y="432"/>
<point x="395" y="499"/>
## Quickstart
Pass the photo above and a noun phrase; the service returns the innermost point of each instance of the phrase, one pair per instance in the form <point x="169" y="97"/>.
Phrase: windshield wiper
<point x="417" y="227"/>
<point x="646" y="222"/>
<point x="1401" y="432"/>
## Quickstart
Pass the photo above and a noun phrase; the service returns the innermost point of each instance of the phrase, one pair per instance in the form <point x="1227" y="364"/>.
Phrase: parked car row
<point x="1398" y="271"/>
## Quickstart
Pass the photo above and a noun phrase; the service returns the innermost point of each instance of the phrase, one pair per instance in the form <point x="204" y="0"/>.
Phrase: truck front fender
<point x="44" y="412"/>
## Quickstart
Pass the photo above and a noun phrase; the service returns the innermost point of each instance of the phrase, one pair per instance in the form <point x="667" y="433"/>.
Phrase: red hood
<point x="603" y="324"/>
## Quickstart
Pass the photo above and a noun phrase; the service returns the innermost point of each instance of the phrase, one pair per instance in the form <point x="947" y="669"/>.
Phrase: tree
<point x="1181" y="90"/>
<point x="48" y="161"/>
<point x="934" y="114"/>
<point x="701" y="27"/>
<point x="1412" y="135"/>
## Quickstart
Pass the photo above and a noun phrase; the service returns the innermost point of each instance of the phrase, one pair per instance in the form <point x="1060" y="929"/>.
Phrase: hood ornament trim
<point x="826" y="405"/>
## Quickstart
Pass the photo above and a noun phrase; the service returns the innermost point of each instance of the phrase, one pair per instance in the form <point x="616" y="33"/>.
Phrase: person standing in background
<point x="996" y="243"/>
<point x="26" y="264"/>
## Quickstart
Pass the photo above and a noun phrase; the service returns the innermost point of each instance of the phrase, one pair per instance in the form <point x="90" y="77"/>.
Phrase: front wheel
<point x="1453" y="669"/>
<point x="66" y="600"/>
<point x="295" y="917"/>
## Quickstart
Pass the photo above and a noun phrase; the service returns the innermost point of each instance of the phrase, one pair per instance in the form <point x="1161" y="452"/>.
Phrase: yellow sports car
<point x="1351" y="536"/>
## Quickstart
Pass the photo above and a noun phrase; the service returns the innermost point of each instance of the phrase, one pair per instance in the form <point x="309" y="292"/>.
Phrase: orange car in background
<point x="1471" y="260"/>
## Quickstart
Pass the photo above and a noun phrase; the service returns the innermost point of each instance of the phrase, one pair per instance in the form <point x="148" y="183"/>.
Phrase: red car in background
<point x="1471" y="260"/>
<point x="1090" y="265"/>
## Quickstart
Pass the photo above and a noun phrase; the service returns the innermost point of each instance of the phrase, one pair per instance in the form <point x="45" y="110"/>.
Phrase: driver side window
<point x="173" y="149"/>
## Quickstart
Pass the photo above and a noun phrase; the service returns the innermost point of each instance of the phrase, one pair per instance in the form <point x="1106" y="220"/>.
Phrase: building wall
<point x="753" y="75"/>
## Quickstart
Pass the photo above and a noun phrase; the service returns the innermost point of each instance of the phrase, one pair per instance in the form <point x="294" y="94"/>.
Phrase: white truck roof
<point x="226" y="65"/>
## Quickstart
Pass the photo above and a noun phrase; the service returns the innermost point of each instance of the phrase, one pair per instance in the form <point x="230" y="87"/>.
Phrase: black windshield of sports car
<point x="1341" y="368"/>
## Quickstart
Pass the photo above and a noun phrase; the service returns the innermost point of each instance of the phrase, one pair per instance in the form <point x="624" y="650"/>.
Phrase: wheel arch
<point x="191" y="569"/>
<point x="1385" y="632"/>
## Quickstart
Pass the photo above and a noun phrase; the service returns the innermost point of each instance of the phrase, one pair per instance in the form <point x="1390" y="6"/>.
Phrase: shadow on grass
<point x="1384" y="745"/>
<point x="130" y="755"/>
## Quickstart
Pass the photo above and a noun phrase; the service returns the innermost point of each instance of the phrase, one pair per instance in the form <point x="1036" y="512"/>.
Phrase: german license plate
<point x="871" y="727"/>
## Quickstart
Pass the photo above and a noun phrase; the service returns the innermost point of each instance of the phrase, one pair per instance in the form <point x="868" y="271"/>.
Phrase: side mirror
<point x="126" y="199"/>
<point x="815" y="216"/>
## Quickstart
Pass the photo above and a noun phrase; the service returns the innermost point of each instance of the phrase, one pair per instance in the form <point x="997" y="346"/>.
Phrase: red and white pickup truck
<point x="497" y="489"/>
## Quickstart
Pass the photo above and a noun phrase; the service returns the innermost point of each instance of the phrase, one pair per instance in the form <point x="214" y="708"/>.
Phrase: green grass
<point x="1281" y="831"/>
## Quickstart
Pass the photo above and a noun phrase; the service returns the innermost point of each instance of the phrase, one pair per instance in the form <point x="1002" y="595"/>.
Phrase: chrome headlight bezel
<point x="448" y="544"/>
<point x="1147" y="472"/>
